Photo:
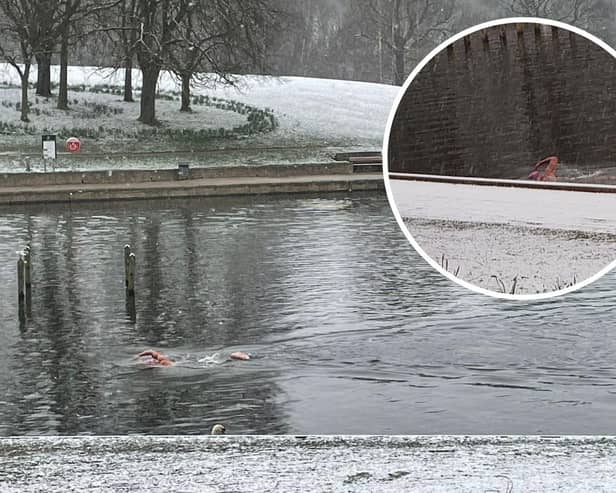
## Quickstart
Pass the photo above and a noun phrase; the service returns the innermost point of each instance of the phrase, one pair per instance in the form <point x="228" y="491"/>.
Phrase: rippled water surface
<point x="351" y="331"/>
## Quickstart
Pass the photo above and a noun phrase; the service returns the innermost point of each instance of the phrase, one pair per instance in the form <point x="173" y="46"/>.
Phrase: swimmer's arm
<point x="149" y="352"/>
<point x="549" y="159"/>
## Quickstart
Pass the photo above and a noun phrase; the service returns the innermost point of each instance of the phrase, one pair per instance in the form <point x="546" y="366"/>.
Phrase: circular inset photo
<point x="500" y="158"/>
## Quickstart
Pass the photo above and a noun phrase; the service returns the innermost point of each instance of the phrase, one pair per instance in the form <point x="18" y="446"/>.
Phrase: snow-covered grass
<point x="495" y="237"/>
<point x="101" y="115"/>
<point x="309" y="112"/>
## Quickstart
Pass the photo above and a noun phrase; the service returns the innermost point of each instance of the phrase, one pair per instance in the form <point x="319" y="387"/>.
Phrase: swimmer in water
<point x="239" y="355"/>
<point x="157" y="359"/>
<point x="550" y="170"/>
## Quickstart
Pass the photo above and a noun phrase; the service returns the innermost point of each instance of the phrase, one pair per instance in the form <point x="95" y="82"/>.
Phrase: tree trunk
<point x="380" y="56"/>
<point x="148" y="95"/>
<point x="129" y="39"/>
<point x="128" y="79"/>
<point x="63" y="89"/>
<point x="399" y="75"/>
<point x="186" y="76"/>
<point x="24" y="92"/>
<point x="43" y="77"/>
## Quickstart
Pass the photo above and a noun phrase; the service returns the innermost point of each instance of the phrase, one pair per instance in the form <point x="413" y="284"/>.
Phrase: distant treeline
<point x="361" y="39"/>
<point x="365" y="40"/>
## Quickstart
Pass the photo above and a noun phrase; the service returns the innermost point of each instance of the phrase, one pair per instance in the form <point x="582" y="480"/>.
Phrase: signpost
<point x="49" y="148"/>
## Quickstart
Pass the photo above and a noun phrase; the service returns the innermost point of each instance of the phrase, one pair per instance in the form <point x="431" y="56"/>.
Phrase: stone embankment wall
<point x="495" y="102"/>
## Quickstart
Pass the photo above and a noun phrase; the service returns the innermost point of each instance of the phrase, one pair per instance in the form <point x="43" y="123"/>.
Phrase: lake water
<point x="351" y="331"/>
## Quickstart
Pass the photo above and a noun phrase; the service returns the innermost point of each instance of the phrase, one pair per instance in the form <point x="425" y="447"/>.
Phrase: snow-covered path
<point x="553" y="209"/>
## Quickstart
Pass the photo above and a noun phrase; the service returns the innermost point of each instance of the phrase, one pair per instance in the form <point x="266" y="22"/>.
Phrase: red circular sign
<point x="72" y="144"/>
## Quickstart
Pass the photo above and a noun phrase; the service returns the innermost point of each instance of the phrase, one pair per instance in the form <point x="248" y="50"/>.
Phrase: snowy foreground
<point x="261" y="464"/>
<point x="320" y="108"/>
<point x="547" y="239"/>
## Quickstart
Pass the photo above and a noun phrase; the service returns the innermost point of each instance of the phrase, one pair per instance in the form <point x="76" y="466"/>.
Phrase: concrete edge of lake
<point x="121" y="176"/>
<point x="318" y="463"/>
<point x="76" y="186"/>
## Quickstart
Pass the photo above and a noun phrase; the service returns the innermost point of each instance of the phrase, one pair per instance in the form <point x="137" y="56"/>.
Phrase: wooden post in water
<point x="28" y="279"/>
<point x="131" y="275"/>
<point x="126" y="261"/>
<point x="130" y="262"/>
<point x="27" y="271"/>
<point x="21" y="288"/>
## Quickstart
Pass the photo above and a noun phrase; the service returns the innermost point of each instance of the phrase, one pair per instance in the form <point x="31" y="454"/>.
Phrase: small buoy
<point x="72" y="144"/>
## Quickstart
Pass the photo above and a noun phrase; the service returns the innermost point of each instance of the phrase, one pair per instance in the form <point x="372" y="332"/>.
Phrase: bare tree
<point x="128" y="37"/>
<point x="74" y="13"/>
<point x="71" y="9"/>
<point x="49" y="19"/>
<point x="579" y="12"/>
<point x="219" y="39"/>
<point x="23" y="39"/>
<point x="184" y="35"/>
<point x="309" y="33"/>
<point x="121" y="25"/>
<point x="158" y="24"/>
<point x="405" y="27"/>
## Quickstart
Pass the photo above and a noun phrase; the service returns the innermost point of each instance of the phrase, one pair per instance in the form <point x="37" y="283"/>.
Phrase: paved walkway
<point x="191" y="188"/>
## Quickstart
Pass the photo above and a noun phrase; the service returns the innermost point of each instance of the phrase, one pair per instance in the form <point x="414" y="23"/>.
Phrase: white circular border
<point x="392" y="114"/>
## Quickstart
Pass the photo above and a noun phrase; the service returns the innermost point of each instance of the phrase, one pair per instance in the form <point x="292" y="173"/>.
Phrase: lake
<point x="350" y="330"/>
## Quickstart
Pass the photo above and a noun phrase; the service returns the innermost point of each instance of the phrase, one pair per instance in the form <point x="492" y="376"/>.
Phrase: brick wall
<point x="499" y="100"/>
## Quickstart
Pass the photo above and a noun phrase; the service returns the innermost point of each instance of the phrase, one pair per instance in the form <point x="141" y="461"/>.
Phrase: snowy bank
<point x="297" y="464"/>
<point x="320" y="108"/>
<point x="489" y="236"/>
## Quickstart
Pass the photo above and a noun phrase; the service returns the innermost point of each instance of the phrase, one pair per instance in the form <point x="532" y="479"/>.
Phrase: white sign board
<point x="49" y="147"/>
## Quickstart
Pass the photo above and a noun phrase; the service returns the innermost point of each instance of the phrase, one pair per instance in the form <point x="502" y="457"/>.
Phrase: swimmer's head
<point x="218" y="429"/>
<point x="534" y="175"/>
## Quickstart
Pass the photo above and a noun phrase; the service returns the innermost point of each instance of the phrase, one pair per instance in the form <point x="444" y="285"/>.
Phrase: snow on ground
<point x="582" y="211"/>
<point x="542" y="260"/>
<point x="547" y="239"/>
<point x="117" y="114"/>
<point x="324" y="109"/>
<point x="319" y="464"/>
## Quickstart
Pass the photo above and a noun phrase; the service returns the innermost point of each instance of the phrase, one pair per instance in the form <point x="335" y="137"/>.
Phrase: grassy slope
<point x="313" y="118"/>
